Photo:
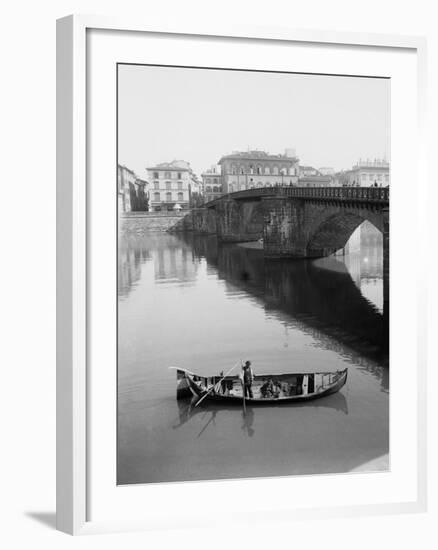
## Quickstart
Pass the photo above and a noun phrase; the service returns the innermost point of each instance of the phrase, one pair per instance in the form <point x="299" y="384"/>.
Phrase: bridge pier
<point x="238" y="221"/>
<point x="283" y="234"/>
<point x="204" y="221"/>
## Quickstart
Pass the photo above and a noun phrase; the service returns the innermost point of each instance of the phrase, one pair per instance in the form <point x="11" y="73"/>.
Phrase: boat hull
<point x="293" y="387"/>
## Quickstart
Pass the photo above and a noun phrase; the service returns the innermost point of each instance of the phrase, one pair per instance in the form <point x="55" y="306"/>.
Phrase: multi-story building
<point x="251" y="169"/>
<point x="326" y="171"/>
<point x="315" y="181"/>
<point x="308" y="171"/>
<point x="170" y="185"/>
<point x="366" y="173"/>
<point x="212" y="183"/>
<point x="132" y="193"/>
<point x="311" y="177"/>
<point x="196" y="191"/>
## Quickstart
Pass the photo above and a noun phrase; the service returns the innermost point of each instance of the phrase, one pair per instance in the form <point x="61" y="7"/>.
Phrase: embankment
<point x="140" y="223"/>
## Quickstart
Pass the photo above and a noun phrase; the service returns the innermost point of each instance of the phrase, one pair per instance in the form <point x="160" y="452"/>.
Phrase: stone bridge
<point x="297" y="222"/>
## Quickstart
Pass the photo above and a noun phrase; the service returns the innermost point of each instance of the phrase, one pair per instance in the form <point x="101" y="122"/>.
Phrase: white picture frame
<point x="74" y="397"/>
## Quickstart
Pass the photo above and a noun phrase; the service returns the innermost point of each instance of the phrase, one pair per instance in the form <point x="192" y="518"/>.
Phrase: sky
<point x="199" y="115"/>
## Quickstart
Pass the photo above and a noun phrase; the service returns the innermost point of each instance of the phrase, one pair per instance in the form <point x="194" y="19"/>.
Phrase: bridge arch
<point x="332" y="228"/>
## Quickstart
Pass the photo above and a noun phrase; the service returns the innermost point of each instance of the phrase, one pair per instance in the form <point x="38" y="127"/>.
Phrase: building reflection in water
<point x="173" y="260"/>
<point x="132" y="252"/>
<point x="365" y="264"/>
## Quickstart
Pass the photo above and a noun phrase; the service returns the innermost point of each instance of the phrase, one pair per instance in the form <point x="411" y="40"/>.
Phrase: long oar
<point x="209" y="391"/>
<point x="244" y="404"/>
<point x="243" y="390"/>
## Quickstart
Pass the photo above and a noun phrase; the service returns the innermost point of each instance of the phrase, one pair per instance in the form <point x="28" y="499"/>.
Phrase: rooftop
<point x="123" y="167"/>
<point x="256" y="154"/>
<point x="180" y="165"/>
<point x="371" y="163"/>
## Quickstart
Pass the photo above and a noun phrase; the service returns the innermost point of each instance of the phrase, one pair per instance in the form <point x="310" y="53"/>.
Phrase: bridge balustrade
<point x="350" y="193"/>
<point x="378" y="194"/>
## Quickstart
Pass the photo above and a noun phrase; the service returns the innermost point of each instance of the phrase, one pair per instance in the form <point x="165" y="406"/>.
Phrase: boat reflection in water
<point x="187" y="409"/>
<point x="187" y="301"/>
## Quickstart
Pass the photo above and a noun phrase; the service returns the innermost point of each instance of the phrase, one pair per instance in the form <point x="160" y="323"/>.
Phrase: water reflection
<point x="324" y="298"/>
<point x="321" y="296"/>
<point x="173" y="260"/>
<point x="189" y="302"/>
<point x="187" y="410"/>
<point x="131" y="254"/>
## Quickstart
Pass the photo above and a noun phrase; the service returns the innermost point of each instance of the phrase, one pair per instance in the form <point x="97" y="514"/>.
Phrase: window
<point x="180" y="197"/>
<point x="259" y="170"/>
<point x="215" y="181"/>
<point x="167" y="175"/>
<point x="241" y="170"/>
<point x="207" y="180"/>
<point x="169" y="197"/>
<point x="275" y="170"/>
<point x="179" y="175"/>
<point x="180" y="185"/>
<point x="267" y="170"/>
<point x="168" y="185"/>
<point x="157" y="197"/>
<point x="208" y="189"/>
<point x="156" y="185"/>
<point x="156" y="176"/>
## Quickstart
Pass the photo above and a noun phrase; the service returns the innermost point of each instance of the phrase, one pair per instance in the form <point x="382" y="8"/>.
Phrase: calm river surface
<point x="185" y="300"/>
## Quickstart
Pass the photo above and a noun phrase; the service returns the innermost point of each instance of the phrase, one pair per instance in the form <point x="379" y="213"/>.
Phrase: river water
<point x="187" y="301"/>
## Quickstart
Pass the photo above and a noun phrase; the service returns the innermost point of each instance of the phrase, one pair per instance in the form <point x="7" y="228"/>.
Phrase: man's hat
<point x="247" y="363"/>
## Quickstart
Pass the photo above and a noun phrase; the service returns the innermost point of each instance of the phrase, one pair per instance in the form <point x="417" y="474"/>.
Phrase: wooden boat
<point x="266" y="388"/>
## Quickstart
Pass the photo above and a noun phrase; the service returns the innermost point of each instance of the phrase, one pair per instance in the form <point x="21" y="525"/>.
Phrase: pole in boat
<point x="209" y="391"/>
<point x="243" y="387"/>
<point x="244" y="404"/>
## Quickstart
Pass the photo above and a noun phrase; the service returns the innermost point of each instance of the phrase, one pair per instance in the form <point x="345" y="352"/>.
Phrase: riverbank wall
<point x="141" y="223"/>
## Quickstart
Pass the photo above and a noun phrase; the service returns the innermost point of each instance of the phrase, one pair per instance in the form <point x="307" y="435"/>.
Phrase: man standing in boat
<point x="247" y="378"/>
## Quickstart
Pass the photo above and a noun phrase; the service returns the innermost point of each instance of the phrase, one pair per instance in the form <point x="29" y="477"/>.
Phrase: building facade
<point x="170" y="186"/>
<point x="326" y="171"/>
<point x="131" y="191"/>
<point x="196" y="192"/>
<point x="315" y="181"/>
<point x="311" y="177"/>
<point x="253" y="169"/>
<point x="365" y="173"/>
<point x="212" y="183"/>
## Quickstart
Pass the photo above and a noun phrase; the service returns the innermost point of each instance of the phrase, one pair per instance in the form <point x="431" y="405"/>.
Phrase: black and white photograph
<point x="253" y="275"/>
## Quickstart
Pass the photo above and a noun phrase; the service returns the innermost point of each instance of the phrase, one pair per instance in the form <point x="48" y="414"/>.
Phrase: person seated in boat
<point x="267" y="389"/>
<point x="247" y="378"/>
<point x="276" y="389"/>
